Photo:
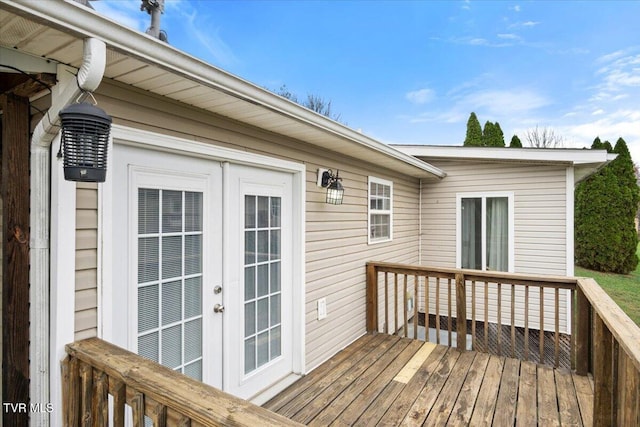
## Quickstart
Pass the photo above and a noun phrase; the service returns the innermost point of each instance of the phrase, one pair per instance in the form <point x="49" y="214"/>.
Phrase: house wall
<point x="336" y="236"/>
<point x="539" y="222"/>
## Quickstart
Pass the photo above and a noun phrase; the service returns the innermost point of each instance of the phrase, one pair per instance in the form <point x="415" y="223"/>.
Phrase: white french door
<point x="258" y="332"/>
<point x="167" y="259"/>
<point x="203" y="268"/>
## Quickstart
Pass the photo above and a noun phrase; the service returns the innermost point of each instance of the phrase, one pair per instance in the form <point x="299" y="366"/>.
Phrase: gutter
<point x="88" y="78"/>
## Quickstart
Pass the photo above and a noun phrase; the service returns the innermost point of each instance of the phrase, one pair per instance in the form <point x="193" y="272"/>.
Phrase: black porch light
<point x="85" y="140"/>
<point x="335" y="190"/>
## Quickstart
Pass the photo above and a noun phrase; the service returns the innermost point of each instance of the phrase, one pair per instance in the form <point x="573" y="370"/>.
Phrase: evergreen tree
<point x="474" y="132"/>
<point x="499" y="136"/>
<point x="606" y="204"/>
<point x="515" y="142"/>
<point x="492" y="135"/>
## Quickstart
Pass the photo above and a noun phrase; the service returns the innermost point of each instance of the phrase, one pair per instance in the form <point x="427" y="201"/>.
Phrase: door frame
<point x="123" y="135"/>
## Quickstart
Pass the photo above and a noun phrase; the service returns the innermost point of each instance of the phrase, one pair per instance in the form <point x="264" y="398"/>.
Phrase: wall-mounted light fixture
<point x="85" y="140"/>
<point x="335" y="190"/>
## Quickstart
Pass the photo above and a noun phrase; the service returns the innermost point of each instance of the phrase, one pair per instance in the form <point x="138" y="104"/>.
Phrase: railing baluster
<point x="499" y="319"/>
<point x="405" y="308"/>
<point x="427" y="309"/>
<point x="461" y="312"/>
<point x="416" y="289"/>
<point x="118" y="391"/>
<point x="513" y="321"/>
<point x="395" y="303"/>
<point x="86" y="380"/>
<point x="437" y="310"/>
<point x="100" y="404"/>
<point x="572" y="338"/>
<point x="137" y="409"/>
<point x="541" y="325"/>
<point x="157" y="413"/>
<point x="473" y="315"/>
<point x="386" y="302"/>
<point x="486" y="316"/>
<point x="449" y="313"/>
<point x="526" y="322"/>
<point x="557" y="330"/>
<point x="583" y="332"/>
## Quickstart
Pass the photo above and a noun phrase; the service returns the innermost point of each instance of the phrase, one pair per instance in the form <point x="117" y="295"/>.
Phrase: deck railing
<point x="95" y="369"/>
<point x="605" y="342"/>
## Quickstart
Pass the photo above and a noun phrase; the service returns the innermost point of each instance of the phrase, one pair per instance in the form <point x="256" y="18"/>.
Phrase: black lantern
<point x="85" y="139"/>
<point x="335" y="190"/>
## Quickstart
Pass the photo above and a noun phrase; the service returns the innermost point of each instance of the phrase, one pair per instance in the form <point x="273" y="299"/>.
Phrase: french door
<point x="203" y="267"/>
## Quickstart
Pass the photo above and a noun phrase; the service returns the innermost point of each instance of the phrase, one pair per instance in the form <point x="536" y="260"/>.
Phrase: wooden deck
<point x="386" y="380"/>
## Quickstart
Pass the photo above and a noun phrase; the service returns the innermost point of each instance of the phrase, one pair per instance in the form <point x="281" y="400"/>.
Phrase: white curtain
<point x="497" y="233"/>
<point x="471" y="233"/>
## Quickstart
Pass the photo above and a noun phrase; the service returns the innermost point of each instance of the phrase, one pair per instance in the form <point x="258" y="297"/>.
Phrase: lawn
<point x="624" y="289"/>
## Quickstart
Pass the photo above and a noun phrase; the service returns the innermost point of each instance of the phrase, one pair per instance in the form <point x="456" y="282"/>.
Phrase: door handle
<point x="218" y="308"/>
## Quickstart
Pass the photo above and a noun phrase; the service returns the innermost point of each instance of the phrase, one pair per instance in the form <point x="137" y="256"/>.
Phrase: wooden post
<point x="461" y="312"/>
<point x="15" y="268"/>
<point x="602" y="374"/>
<point x="372" y="298"/>
<point x="582" y="332"/>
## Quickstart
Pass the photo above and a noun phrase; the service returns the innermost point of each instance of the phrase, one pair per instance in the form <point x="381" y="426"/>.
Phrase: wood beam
<point x="15" y="269"/>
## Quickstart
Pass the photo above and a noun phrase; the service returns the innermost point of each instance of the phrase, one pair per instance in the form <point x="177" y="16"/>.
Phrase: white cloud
<point x="619" y="72"/>
<point x="515" y="8"/>
<point x="524" y="24"/>
<point x="123" y="12"/>
<point x="505" y="102"/>
<point x="509" y="36"/>
<point x="598" y="112"/>
<point x="421" y="96"/>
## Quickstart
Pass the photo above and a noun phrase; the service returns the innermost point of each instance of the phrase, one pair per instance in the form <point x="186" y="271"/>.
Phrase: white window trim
<point x="373" y="179"/>
<point x="484" y="195"/>
<point x="137" y="137"/>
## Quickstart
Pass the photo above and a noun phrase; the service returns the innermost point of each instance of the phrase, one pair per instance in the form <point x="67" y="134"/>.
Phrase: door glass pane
<point x="471" y="233"/>
<point x="170" y="236"/>
<point x="498" y="233"/>
<point x="262" y="284"/>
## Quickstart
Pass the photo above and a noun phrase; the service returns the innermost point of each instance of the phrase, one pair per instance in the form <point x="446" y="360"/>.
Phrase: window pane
<point x="263" y="212"/>
<point x="275" y="277"/>
<point x="275" y="212"/>
<point x="148" y="211"/>
<point x="171" y="257"/>
<point x="263" y="314"/>
<point x="192" y="297"/>
<point x="471" y="233"/>
<point x="148" y="346"/>
<point x="249" y="355"/>
<point x="275" y="343"/>
<point x="148" y="308"/>
<point x="171" y="302"/>
<point x="275" y="244"/>
<point x="171" y="211"/>
<point x="249" y="212"/>
<point x="249" y="283"/>
<point x="172" y="346"/>
<point x="193" y="254"/>
<point x="249" y="319"/>
<point x="148" y="266"/>
<point x="194" y="370"/>
<point x="263" y="280"/>
<point x="498" y="233"/>
<point x="249" y="247"/>
<point x="193" y="211"/>
<point x="263" y="348"/>
<point x="192" y="340"/>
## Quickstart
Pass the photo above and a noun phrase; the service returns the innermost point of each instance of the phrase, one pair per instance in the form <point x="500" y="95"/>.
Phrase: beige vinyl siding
<point x="86" y="296"/>
<point x="336" y="236"/>
<point x="539" y="224"/>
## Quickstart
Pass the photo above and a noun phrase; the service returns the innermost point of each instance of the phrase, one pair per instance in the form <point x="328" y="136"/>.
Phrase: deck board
<point x="361" y="385"/>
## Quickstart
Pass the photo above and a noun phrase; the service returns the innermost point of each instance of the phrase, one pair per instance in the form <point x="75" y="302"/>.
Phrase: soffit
<point x="53" y="41"/>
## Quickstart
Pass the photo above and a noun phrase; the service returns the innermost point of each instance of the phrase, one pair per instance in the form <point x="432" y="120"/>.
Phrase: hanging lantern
<point x="85" y="140"/>
<point x="335" y="190"/>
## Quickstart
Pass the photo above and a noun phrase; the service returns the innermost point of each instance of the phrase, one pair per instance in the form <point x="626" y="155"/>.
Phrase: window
<point x="380" y="210"/>
<point x="485" y="232"/>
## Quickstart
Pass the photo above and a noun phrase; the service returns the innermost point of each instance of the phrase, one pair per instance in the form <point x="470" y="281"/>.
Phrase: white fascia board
<point x="25" y="62"/>
<point x="534" y="155"/>
<point x="74" y="18"/>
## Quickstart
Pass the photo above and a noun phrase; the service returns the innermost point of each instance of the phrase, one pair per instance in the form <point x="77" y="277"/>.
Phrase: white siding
<point x="539" y="222"/>
<point x="336" y="236"/>
<point x="86" y="297"/>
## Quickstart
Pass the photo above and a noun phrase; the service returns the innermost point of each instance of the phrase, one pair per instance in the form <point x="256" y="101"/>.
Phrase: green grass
<point x="623" y="289"/>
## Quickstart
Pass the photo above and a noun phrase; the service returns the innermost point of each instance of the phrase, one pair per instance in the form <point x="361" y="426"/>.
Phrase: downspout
<point x="88" y="78"/>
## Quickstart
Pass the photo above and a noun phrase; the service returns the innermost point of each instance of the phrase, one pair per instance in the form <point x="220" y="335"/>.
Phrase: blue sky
<point x="412" y="72"/>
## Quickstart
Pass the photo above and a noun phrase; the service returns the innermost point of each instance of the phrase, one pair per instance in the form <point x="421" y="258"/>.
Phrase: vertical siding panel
<point x="86" y="297"/>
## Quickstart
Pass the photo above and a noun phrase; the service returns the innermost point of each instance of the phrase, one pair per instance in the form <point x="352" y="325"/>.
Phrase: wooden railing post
<point x="461" y="312"/>
<point x="602" y="373"/>
<point x="583" y="332"/>
<point x="372" y="298"/>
